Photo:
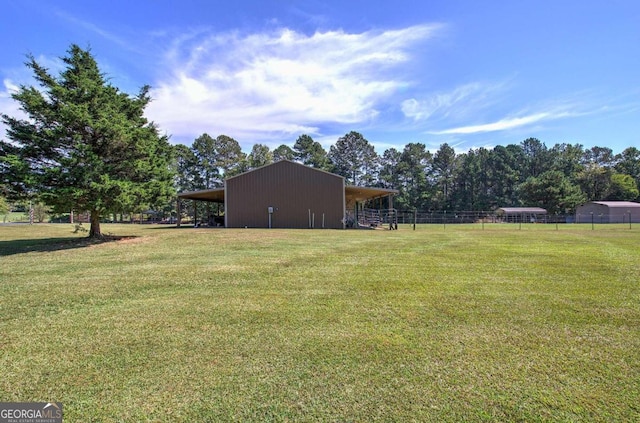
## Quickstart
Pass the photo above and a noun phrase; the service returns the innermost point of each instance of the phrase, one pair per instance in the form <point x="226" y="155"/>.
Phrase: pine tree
<point x="85" y="144"/>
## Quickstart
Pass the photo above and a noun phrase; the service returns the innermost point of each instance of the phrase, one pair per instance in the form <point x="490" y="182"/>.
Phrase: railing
<point x="372" y="218"/>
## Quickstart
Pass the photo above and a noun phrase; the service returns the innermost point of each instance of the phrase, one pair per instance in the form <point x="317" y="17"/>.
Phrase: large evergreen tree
<point x="231" y="160"/>
<point x="354" y="158"/>
<point x="310" y="153"/>
<point x="283" y="152"/>
<point x="85" y="144"/>
<point x="204" y="150"/>
<point x="414" y="163"/>
<point x="553" y="191"/>
<point x="444" y="165"/>
<point x="260" y="156"/>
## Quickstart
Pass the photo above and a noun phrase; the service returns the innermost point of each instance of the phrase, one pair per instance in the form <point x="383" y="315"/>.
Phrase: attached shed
<point x="608" y="212"/>
<point x="286" y="194"/>
<point x="522" y="214"/>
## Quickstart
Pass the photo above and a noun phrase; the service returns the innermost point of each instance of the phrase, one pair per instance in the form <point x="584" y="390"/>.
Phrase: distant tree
<point x="354" y="157"/>
<point x="85" y="145"/>
<point x="472" y="186"/>
<point x="414" y="165"/>
<point x="536" y="158"/>
<point x="388" y="176"/>
<point x="230" y="158"/>
<point x="506" y="164"/>
<point x="310" y="153"/>
<point x="628" y="163"/>
<point x="40" y="212"/>
<point x="552" y="191"/>
<point x="187" y="173"/>
<point x="260" y="156"/>
<point x="283" y="152"/>
<point x="205" y="152"/>
<point x="444" y="165"/>
<point x="622" y="188"/>
<point x="599" y="156"/>
<point x="595" y="181"/>
<point x="567" y="159"/>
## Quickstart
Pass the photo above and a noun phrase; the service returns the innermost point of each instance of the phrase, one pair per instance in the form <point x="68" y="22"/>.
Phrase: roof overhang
<point x="354" y="193"/>
<point x="351" y="192"/>
<point x="211" y="195"/>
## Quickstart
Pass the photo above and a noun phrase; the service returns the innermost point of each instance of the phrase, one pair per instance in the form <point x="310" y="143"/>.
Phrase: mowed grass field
<point x="439" y="324"/>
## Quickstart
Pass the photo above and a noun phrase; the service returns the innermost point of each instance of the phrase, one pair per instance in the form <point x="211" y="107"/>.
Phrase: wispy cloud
<point x="513" y="122"/>
<point x="462" y="102"/>
<point x="501" y="125"/>
<point x="264" y="86"/>
<point x="91" y="27"/>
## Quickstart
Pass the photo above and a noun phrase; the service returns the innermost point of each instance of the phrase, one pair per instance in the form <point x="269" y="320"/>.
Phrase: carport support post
<point x="178" y="212"/>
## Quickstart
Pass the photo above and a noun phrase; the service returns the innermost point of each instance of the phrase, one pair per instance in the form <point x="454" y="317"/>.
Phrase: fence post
<point x="415" y="216"/>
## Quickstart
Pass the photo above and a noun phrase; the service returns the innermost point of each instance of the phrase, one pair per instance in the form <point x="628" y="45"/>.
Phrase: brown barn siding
<point x="292" y="190"/>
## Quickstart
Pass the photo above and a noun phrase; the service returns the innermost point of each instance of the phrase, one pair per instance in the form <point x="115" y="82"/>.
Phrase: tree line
<point x="556" y="178"/>
<point x="87" y="146"/>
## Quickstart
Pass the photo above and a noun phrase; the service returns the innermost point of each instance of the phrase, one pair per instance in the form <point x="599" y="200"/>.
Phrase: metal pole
<point x="178" y="213"/>
<point x="591" y="220"/>
<point x="415" y="217"/>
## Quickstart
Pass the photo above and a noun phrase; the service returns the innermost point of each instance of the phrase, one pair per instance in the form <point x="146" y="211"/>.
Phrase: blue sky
<point x="467" y="73"/>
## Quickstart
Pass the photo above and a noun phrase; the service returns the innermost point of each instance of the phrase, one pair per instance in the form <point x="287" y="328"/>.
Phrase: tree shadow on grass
<point x="39" y="245"/>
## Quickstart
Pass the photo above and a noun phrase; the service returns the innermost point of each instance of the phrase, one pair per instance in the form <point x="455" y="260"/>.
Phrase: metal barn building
<point x="608" y="212"/>
<point x="286" y="194"/>
<point x="522" y="214"/>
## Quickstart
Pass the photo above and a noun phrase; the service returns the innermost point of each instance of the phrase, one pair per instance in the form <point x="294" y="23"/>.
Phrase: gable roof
<point x="352" y="192"/>
<point x="281" y="163"/>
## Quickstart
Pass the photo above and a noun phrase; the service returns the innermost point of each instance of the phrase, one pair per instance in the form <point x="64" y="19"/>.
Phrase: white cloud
<point x="8" y="105"/>
<point x="461" y="102"/>
<point x="473" y="102"/>
<point x="263" y="86"/>
<point x="504" y="124"/>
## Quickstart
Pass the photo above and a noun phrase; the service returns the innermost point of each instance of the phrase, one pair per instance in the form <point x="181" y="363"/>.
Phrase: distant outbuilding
<point x="608" y="212"/>
<point x="522" y="214"/>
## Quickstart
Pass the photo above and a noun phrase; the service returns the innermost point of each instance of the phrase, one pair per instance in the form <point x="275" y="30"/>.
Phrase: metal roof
<point x="356" y="193"/>
<point x="352" y="192"/>
<point x="211" y="195"/>
<point x="516" y="210"/>
<point x="625" y="204"/>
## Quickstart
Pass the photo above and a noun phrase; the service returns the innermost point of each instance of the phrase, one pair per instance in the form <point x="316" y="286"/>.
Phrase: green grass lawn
<point x="454" y="323"/>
